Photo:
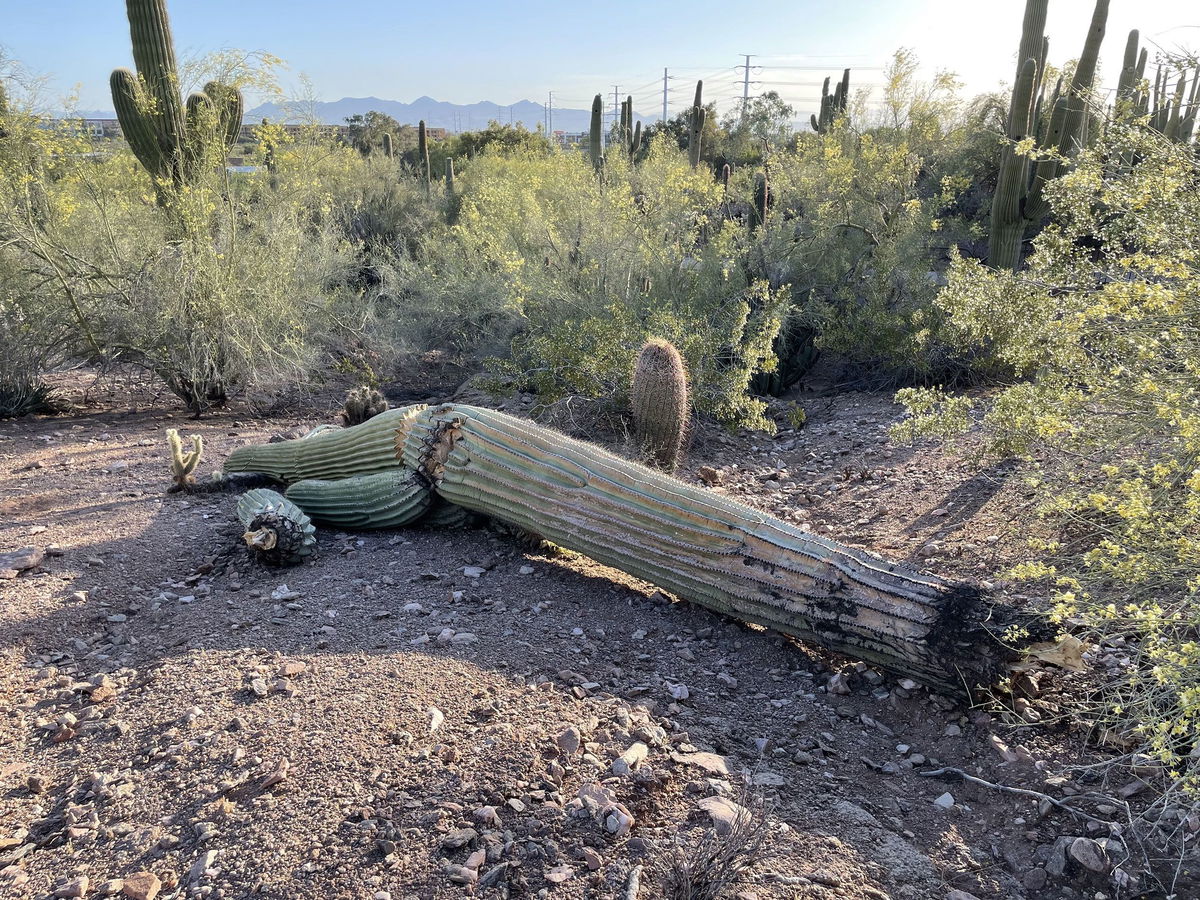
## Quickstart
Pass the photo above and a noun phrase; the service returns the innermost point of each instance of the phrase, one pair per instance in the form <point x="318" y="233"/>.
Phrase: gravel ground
<point x="421" y="713"/>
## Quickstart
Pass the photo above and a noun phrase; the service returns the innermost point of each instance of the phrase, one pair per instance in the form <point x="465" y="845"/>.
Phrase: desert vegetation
<point x="1021" y="270"/>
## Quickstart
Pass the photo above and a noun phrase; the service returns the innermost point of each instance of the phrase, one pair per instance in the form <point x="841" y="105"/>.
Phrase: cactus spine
<point x="184" y="463"/>
<point x="169" y="137"/>
<point x="361" y="404"/>
<point x="595" y="133"/>
<point x="696" y="131"/>
<point x="659" y="398"/>
<point x="276" y="530"/>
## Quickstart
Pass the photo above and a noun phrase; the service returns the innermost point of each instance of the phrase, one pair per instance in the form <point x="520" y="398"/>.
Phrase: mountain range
<point x="453" y="117"/>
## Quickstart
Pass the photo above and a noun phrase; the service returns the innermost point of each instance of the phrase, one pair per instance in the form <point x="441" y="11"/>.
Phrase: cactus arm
<point x="1008" y="218"/>
<point x="360" y="450"/>
<point x="699" y="545"/>
<point x="277" y="530"/>
<point x="383" y="500"/>
<point x="154" y="56"/>
<point x="230" y="107"/>
<point x="129" y="101"/>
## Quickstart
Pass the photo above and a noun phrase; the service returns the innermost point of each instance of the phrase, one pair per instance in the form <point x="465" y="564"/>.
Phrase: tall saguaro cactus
<point x="168" y="136"/>
<point x="833" y="106"/>
<point x="630" y="133"/>
<point x="1020" y="205"/>
<point x="595" y="132"/>
<point x="423" y="155"/>
<point x="696" y="129"/>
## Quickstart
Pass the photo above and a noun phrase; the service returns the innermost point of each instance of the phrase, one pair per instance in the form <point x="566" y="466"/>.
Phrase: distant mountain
<point x="454" y="117"/>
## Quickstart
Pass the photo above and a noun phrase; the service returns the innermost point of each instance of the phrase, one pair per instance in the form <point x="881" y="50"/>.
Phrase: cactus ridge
<point x="382" y="500"/>
<point x="342" y="453"/>
<point x="699" y="545"/>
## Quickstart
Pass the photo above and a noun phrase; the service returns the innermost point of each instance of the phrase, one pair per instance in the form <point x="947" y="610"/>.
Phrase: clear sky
<point x="507" y="51"/>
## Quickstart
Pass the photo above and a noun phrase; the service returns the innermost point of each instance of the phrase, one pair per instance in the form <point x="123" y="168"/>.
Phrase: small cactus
<point x="277" y="530"/>
<point x="184" y="462"/>
<point x="660" y="402"/>
<point x="362" y="403"/>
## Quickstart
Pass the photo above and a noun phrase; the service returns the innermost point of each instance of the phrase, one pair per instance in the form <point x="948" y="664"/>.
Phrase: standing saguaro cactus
<point x="423" y="154"/>
<point x="630" y="133"/>
<point x="387" y="145"/>
<point x="833" y="106"/>
<point x="659" y="398"/>
<point x="169" y="137"/>
<point x="595" y="135"/>
<point x="696" y="130"/>
<point x="449" y="178"/>
<point x="1020" y="205"/>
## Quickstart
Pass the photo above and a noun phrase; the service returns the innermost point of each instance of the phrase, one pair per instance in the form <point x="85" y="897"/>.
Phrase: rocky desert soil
<point x="428" y="713"/>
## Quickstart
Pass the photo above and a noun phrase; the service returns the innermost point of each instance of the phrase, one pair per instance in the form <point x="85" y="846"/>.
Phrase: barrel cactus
<point x="361" y="404"/>
<point x="659" y="398"/>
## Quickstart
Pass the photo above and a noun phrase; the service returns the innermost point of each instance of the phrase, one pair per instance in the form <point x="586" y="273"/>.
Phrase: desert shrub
<point x="1101" y="338"/>
<point x="221" y="289"/>
<point x="579" y="270"/>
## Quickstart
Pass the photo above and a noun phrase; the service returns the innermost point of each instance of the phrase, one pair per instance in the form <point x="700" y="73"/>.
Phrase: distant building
<point x="570" y="139"/>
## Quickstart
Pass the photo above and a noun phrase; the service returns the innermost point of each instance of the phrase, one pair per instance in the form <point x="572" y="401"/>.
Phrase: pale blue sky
<point x="503" y="52"/>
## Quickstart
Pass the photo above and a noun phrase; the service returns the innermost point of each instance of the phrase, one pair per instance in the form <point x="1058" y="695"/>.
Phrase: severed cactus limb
<point x="183" y="463"/>
<point x="340" y="453"/>
<point x="701" y="546"/>
<point x="277" y="530"/>
<point x="382" y="500"/>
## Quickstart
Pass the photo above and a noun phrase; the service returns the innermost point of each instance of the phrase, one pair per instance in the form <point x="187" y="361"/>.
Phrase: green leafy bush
<point x="1101" y="337"/>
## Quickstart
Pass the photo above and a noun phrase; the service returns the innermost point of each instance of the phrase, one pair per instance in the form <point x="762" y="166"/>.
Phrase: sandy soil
<point x="380" y="723"/>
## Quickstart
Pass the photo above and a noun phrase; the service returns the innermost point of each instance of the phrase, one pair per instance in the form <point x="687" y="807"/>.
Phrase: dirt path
<point x="437" y="714"/>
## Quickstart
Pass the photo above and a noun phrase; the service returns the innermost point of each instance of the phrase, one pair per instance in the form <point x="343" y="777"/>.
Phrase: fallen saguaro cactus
<point x="277" y="530"/>
<point x="686" y="539"/>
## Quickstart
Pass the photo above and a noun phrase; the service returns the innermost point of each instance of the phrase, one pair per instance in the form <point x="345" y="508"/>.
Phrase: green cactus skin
<point x="1065" y="136"/>
<point x="833" y="106"/>
<point x="702" y="546"/>
<point x="361" y="404"/>
<point x="659" y="397"/>
<point x="277" y="531"/>
<point x="387" y="145"/>
<point x="1008" y="222"/>
<point x="343" y="453"/>
<point x="696" y="131"/>
<point x="383" y="500"/>
<point x="183" y="464"/>
<point x="595" y="136"/>
<point x="762" y="200"/>
<point x="166" y="135"/>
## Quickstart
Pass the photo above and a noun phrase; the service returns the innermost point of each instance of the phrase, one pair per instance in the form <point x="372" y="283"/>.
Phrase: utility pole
<point x="746" y="85"/>
<point x="664" y="116"/>
<point x="550" y="114"/>
<point x="616" y="103"/>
